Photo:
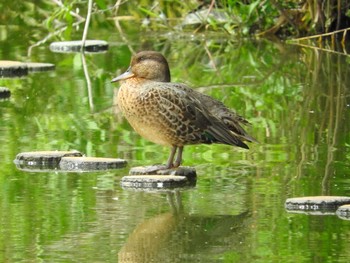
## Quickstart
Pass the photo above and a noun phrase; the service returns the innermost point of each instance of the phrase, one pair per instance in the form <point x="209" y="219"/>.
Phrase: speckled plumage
<point x="173" y="114"/>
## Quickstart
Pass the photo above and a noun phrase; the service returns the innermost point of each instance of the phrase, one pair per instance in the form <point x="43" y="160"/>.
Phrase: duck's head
<point x="150" y="65"/>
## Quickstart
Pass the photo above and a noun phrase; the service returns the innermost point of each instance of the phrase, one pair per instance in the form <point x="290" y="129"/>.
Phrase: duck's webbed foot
<point x="171" y="165"/>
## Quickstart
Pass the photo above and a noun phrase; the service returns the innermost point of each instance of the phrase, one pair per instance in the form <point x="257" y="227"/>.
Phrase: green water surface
<point x="297" y="100"/>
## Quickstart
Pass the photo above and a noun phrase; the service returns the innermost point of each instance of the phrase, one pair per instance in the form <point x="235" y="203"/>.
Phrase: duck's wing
<point x="231" y="119"/>
<point x="196" y="117"/>
<point x="219" y="121"/>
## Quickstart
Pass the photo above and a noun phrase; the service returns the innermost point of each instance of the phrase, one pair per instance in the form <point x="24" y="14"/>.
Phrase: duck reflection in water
<point x="176" y="236"/>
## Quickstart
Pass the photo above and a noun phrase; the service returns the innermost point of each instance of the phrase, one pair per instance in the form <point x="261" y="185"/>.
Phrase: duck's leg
<point x="178" y="157"/>
<point x="170" y="161"/>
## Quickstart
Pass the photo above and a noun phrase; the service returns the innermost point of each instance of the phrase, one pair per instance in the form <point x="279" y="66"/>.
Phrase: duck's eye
<point x="141" y="59"/>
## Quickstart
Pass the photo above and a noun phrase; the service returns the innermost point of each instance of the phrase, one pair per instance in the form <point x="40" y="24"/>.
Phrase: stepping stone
<point x="85" y="164"/>
<point x="39" y="67"/>
<point x="316" y="203"/>
<point x="156" y="182"/>
<point x="93" y="46"/>
<point x="12" y="69"/>
<point x="343" y="212"/>
<point x="186" y="171"/>
<point x="5" y="93"/>
<point x="42" y="159"/>
<point x="150" y="177"/>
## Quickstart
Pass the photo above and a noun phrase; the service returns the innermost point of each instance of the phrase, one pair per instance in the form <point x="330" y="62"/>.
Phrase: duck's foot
<point x="189" y="172"/>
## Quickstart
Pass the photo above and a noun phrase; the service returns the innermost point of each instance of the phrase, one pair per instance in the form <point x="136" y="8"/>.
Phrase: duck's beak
<point x="127" y="74"/>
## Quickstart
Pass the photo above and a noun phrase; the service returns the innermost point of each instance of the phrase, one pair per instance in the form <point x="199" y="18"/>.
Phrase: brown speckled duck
<point x="173" y="114"/>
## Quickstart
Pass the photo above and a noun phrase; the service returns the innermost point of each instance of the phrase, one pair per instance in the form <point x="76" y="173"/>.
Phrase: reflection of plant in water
<point x="324" y="120"/>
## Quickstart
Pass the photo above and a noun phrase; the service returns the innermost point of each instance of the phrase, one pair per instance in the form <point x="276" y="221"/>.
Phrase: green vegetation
<point x="298" y="21"/>
<point x="284" y="19"/>
<point x="260" y="18"/>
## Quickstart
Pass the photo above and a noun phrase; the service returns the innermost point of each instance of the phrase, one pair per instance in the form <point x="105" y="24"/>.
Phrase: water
<point x="296" y="98"/>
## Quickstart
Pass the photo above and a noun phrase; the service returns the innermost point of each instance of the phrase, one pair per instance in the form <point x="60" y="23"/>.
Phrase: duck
<point x="173" y="114"/>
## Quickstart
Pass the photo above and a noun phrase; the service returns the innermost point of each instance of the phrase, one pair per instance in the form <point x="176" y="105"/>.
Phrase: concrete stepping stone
<point x="157" y="170"/>
<point x="343" y="212"/>
<point x="93" y="46"/>
<point x="153" y="182"/>
<point x="85" y="164"/>
<point x="39" y="67"/>
<point x="5" y="93"/>
<point x="322" y="204"/>
<point x="42" y="159"/>
<point x="150" y="177"/>
<point x="12" y="69"/>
